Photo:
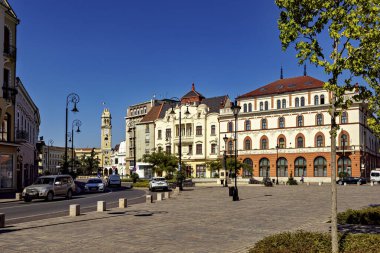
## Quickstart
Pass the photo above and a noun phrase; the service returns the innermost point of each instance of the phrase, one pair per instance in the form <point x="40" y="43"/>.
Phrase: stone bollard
<point x="167" y="195"/>
<point x="159" y="196"/>
<point x="371" y="183"/>
<point x="2" y="220"/>
<point x="101" y="206"/>
<point x="74" y="210"/>
<point x="149" y="199"/>
<point x="122" y="203"/>
<point x="320" y="183"/>
<point x="358" y="183"/>
<point x="18" y="196"/>
<point x="345" y="184"/>
<point x="308" y="183"/>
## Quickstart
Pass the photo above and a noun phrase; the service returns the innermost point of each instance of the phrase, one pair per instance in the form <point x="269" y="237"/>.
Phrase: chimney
<point x="304" y="70"/>
<point x="193" y="87"/>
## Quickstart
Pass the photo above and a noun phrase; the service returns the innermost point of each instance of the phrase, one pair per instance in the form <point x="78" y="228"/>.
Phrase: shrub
<point x="135" y="177"/>
<point x="366" y="216"/>
<point x="360" y="243"/>
<point x="141" y="183"/>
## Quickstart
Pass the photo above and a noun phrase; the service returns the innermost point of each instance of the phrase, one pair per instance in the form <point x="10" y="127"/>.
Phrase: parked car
<point x="351" y="180"/>
<point x="79" y="186"/>
<point x="158" y="183"/>
<point x="375" y="175"/>
<point x="95" y="185"/>
<point x="114" y="180"/>
<point x="47" y="187"/>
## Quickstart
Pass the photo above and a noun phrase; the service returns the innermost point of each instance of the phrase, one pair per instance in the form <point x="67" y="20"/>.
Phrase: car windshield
<point x="159" y="179"/>
<point x="44" y="180"/>
<point x="94" y="181"/>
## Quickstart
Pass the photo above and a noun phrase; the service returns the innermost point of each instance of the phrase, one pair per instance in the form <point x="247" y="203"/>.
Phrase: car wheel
<point x="50" y="196"/>
<point x="340" y="183"/>
<point x="69" y="194"/>
<point x="119" y="185"/>
<point x="27" y="199"/>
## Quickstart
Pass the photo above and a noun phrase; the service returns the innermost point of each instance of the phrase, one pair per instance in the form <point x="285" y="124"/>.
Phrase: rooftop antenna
<point x="282" y="74"/>
<point x="304" y="70"/>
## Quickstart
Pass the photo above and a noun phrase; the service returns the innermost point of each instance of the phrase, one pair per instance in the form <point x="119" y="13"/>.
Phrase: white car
<point x="114" y="180"/>
<point x="158" y="183"/>
<point x="95" y="185"/>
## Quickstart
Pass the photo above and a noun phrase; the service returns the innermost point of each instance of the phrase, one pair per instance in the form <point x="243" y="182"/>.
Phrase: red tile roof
<point x="153" y="114"/>
<point x="285" y="85"/>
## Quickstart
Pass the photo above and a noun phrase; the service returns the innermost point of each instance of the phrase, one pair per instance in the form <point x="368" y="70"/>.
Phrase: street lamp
<point x="132" y="127"/>
<point x="225" y="138"/>
<point x="277" y="147"/>
<point x="48" y="158"/>
<point x="74" y="99"/>
<point x="76" y="123"/>
<point x="175" y="100"/>
<point x="235" y="109"/>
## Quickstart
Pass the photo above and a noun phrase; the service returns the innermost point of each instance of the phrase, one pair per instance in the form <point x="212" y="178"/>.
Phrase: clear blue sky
<point x="123" y="52"/>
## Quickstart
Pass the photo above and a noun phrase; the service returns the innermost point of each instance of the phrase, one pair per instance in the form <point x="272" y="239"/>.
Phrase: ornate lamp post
<point x="277" y="147"/>
<point x="74" y="99"/>
<point x="76" y="123"/>
<point x="225" y="138"/>
<point x="235" y="109"/>
<point x="48" y="155"/>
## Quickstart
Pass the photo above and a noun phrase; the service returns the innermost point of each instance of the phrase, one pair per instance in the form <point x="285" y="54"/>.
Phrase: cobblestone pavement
<point x="200" y="219"/>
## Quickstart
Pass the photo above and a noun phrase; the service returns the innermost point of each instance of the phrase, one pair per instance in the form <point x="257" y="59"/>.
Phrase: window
<point x="250" y="107"/>
<point x="299" y="120"/>
<point x="213" y="148"/>
<point x="213" y="132"/>
<point x="282" y="167"/>
<point x="190" y="149"/>
<point x="6" y="169"/>
<point x="300" y="167"/>
<point x="320" y="167"/>
<point x="263" y="124"/>
<point x="297" y="103"/>
<point x="168" y="149"/>
<point x="316" y="100"/>
<point x="230" y="147"/>
<point x="266" y="106"/>
<point x="147" y="129"/>
<point x="198" y="130"/>
<point x="278" y="104"/>
<point x="300" y="143"/>
<point x="264" y="143"/>
<point x="248" y="172"/>
<point x="281" y="122"/>
<point x="319" y="141"/>
<point x="261" y="106"/>
<point x="343" y="118"/>
<point x="245" y="108"/>
<point x="322" y="99"/>
<point x="201" y="170"/>
<point x="302" y="101"/>
<point x="344" y="166"/>
<point x="281" y="143"/>
<point x="284" y="103"/>
<point x="4" y="129"/>
<point x="247" y="144"/>
<point x="198" y="149"/>
<point x="247" y="125"/>
<point x="168" y="134"/>
<point x="319" y="119"/>
<point x="343" y="140"/>
<point x="264" y="168"/>
<point x="230" y="127"/>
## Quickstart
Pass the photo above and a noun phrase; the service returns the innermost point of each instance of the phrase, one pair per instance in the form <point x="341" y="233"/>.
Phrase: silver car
<point x="95" y="185"/>
<point x="47" y="187"/>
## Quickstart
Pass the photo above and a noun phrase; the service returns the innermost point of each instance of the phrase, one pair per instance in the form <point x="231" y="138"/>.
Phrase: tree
<point x="214" y="165"/>
<point x="351" y="30"/>
<point x="89" y="164"/>
<point x="161" y="161"/>
<point x="239" y="165"/>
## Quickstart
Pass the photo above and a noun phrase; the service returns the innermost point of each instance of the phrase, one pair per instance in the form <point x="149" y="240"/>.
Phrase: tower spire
<point x="281" y="74"/>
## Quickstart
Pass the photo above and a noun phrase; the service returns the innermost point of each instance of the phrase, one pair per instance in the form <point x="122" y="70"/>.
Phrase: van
<point x="375" y="175"/>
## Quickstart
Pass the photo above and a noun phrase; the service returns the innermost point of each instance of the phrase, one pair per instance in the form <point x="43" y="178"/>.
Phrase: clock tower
<point x="106" y="137"/>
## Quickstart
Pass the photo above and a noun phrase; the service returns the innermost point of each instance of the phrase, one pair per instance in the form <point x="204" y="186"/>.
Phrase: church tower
<point x="106" y="137"/>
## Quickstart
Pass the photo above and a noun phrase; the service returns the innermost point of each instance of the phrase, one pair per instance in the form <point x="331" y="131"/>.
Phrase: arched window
<point x="320" y="167"/>
<point x="343" y="140"/>
<point x="281" y="142"/>
<point x="248" y="170"/>
<point x="264" y="124"/>
<point x="300" y="167"/>
<point x="302" y="101"/>
<point x="344" y="167"/>
<point x="7" y="40"/>
<point x="278" y="104"/>
<point x="247" y="144"/>
<point x="344" y="118"/>
<point x="319" y="119"/>
<point x="299" y="120"/>
<point x="230" y="126"/>
<point x="250" y="107"/>
<point x="264" y="167"/>
<point x="261" y="106"/>
<point x="282" y="167"/>
<point x="322" y="99"/>
<point x="297" y="103"/>
<point x="230" y="146"/>
<point x="316" y="100"/>
<point x="281" y="122"/>
<point x="245" y="107"/>
<point x="266" y="106"/>
<point x="264" y="143"/>
<point x="319" y="141"/>
<point x="284" y="103"/>
<point x="247" y="125"/>
<point x="300" y="142"/>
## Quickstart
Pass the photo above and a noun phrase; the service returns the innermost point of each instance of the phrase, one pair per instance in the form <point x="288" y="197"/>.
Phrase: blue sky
<point x="123" y="52"/>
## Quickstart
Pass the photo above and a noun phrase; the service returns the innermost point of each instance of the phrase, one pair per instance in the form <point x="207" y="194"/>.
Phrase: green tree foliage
<point x="89" y="164"/>
<point x="161" y="161"/>
<point x="342" y="37"/>
<point x="214" y="165"/>
<point x="239" y="165"/>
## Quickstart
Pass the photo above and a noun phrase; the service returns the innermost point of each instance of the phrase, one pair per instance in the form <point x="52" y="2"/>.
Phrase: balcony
<point x="10" y="52"/>
<point x="9" y="93"/>
<point x="22" y="136"/>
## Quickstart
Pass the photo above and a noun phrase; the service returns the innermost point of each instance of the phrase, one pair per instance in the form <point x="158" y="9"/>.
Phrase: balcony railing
<point x="22" y="136"/>
<point x="10" y="52"/>
<point x="9" y="93"/>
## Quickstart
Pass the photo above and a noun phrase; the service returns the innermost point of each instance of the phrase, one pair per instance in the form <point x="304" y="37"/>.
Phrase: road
<point x="17" y="212"/>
